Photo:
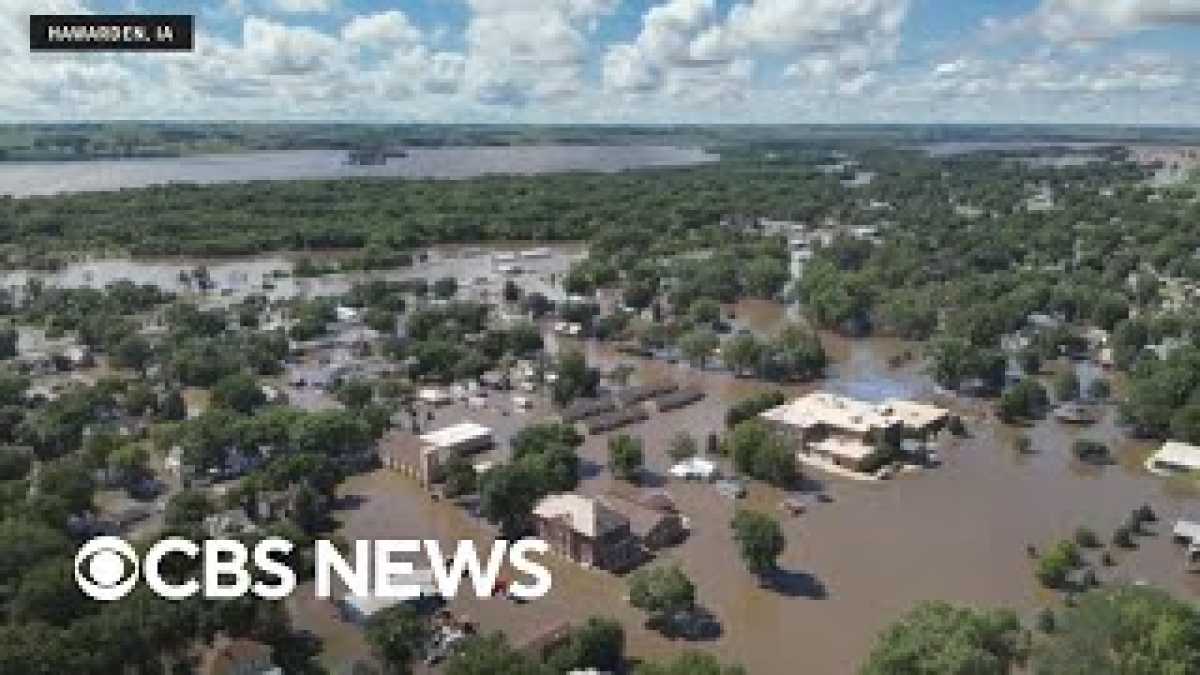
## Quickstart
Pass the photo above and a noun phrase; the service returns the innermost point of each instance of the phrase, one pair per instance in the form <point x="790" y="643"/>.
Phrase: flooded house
<point x="424" y="456"/>
<point x="847" y="432"/>
<point x="1174" y="458"/>
<point x="586" y="531"/>
<point x="654" y="528"/>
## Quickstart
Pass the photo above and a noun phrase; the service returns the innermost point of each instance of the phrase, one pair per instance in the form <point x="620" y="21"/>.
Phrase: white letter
<point x="516" y="557"/>
<point x="355" y="578"/>
<point x="466" y="556"/>
<point x="154" y="558"/>
<point x="214" y="568"/>
<point x="264" y="562"/>
<point x="389" y="573"/>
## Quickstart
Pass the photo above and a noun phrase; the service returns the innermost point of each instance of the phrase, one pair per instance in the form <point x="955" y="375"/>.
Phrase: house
<point x="1186" y="532"/>
<point x="230" y="522"/>
<point x="654" y="528"/>
<point x="435" y="396"/>
<point x="359" y="609"/>
<point x="238" y="657"/>
<point x="848" y="432"/>
<point x="1174" y="458"/>
<point x="424" y="456"/>
<point x="346" y="314"/>
<point x="586" y="531"/>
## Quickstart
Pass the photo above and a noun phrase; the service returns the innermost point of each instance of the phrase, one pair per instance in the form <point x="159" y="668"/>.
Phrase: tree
<point x="68" y="481"/>
<point x="575" y="378"/>
<point x="445" y="287"/>
<point x="742" y="354"/>
<point x="48" y="592"/>
<point x="187" y="509"/>
<point x="597" y="645"/>
<point x="704" y="311"/>
<point x="749" y="408"/>
<point x="8" y="342"/>
<point x="355" y="393"/>
<point x="683" y="445"/>
<point x="133" y="352"/>
<point x="492" y="655"/>
<point x="663" y="592"/>
<point x="1066" y="385"/>
<point x="507" y="495"/>
<point x="625" y="456"/>
<point x="1024" y="400"/>
<point x="760" y="540"/>
<point x="399" y="636"/>
<point x="1099" y="389"/>
<point x="1056" y="564"/>
<point x="937" y="638"/>
<point x="698" y="345"/>
<point x="761" y="453"/>
<point x="512" y="292"/>
<point x="1031" y="361"/>
<point x="173" y="408"/>
<point x="239" y="392"/>
<point x="1124" y="629"/>
<point x="460" y="477"/>
<point x="793" y="354"/>
<point x="689" y="662"/>
<point x="15" y="463"/>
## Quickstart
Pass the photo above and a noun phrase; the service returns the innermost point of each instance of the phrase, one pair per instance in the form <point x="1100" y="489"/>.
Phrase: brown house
<point x="654" y="528"/>
<point x="586" y="531"/>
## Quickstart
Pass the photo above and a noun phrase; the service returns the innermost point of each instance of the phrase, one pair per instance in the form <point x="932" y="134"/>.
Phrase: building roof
<point x="229" y="657"/>
<point x="1178" y="454"/>
<point x="1187" y="529"/>
<point x="456" y="434"/>
<point x="585" y="515"/>
<point x="642" y="519"/>
<point x="852" y="415"/>
<point x="844" y="447"/>
<point x="915" y="414"/>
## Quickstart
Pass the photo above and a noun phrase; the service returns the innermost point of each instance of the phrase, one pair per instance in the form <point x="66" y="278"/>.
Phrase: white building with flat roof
<point x="847" y="431"/>
<point x="1174" y="458"/>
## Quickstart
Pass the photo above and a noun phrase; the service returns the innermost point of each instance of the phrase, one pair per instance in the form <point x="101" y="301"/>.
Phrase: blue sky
<point x="628" y="61"/>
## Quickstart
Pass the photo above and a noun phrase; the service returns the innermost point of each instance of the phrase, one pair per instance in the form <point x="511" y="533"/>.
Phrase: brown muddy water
<point x="957" y="532"/>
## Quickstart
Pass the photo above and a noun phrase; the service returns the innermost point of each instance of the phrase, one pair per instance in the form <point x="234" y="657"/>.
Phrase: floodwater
<point x="475" y="268"/>
<point x="22" y="179"/>
<point x="957" y="532"/>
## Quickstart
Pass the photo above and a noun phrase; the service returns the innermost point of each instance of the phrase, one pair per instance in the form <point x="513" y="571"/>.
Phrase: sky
<point x="626" y="61"/>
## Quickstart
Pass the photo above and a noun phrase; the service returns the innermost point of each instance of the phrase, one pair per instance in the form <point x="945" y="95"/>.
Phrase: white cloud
<point x="386" y="29"/>
<point x="521" y="51"/>
<point x="831" y="45"/>
<point x="303" y="6"/>
<point x="1087" y="21"/>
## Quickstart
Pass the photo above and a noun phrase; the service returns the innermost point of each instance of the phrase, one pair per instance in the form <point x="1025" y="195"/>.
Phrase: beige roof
<point x="585" y="515"/>
<point x="844" y="447"/>
<point x="455" y="434"/>
<point x="915" y="414"/>
<point x="852" y="415"/>
<point x="1178" y="454"/>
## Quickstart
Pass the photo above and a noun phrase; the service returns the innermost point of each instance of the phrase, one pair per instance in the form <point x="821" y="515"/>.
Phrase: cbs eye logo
<point x="106" y="568"/>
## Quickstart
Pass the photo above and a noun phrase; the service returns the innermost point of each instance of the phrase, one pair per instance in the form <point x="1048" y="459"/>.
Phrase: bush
<point x="1090" y="452"/>
<point x="1023" y="444"/>
<point x="751" y="407"/>
<point x="1086" y="538"/>
<point x="1053" y="567"/>
<point x="1046" y="620"/>
<point x="1123" y="537"/>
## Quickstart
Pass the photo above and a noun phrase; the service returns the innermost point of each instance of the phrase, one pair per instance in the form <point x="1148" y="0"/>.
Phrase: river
<point x="22" y="179"/>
